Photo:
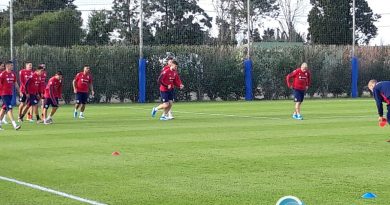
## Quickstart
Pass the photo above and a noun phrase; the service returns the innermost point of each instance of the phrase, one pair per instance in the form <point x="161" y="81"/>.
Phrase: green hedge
<point x="209" y="73"/>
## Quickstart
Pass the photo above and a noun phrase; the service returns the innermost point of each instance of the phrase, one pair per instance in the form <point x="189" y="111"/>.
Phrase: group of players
<point x="32" y="89"/>
<point x="298" y="80"/>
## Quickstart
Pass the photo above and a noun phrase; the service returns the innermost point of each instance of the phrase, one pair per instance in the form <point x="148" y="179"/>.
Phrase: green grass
<point x="212" y="153"/>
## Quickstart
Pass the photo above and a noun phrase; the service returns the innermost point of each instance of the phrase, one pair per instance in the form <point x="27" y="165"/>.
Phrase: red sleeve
<point x="21" y="78"/>
<point x="162" y="80"/>
<point x="77" y="77"/>
<point x="289" y="76"/>
<point x="27" y="85"/>
<point x="177" y="81"/>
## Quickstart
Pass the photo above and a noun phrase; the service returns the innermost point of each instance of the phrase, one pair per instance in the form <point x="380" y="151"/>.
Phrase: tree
<point x="61" y="28"/>
<point x="234" y="13"/>
<point x="269" y="35"/>
<point x="331" y="22"/>
<point x="177" y="22"/>
<point x="28" y="9"/>
<point x="99" y="28"/>
<point x="290" y="11"/>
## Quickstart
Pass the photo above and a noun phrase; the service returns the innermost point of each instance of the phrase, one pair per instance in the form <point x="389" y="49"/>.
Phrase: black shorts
<point x="23" y="98"/>
<point x="167" y="96"/>
<point x="32" y="100"/>
<point x="81" y="98"/>
<point x="49" y="101"/>
<point x="7" y="102"/>
<point x="299" y="95"/>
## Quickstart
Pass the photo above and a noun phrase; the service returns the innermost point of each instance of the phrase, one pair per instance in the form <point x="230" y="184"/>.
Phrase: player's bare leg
<point x="162" y="106"/>
<point x="11" y="117"/>
<point x="21" y="108"/>
<point x="76" y="108"/>
<point x="297" y="112"/>
<point x="82" y="108"/>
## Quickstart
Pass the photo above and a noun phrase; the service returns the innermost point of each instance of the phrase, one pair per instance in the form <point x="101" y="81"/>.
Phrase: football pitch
<point x="227" y="153"/>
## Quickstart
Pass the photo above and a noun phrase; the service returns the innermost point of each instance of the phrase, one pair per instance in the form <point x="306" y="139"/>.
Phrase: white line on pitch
<point x="52" y="191"/>
<point x="246" y="116"/>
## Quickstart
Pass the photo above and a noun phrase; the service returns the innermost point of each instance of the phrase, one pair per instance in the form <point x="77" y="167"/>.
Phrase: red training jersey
<point x="33" y="84"/>
<point x="7" y="82"/>
<point x="24" y="76"/>
<point x="43" y="82"/>
<point x="82" y="82"/>
<point x="169" y="77"/>
<point x="53" y="88"/>
<point x="300" y="79"/>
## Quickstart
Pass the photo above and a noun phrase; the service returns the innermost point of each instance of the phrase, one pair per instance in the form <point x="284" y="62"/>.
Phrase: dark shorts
<point x="81" y="98"/>
<point x="23" y="98"/>
<point x="299" y="95"/>
<point x="7" y="102"/>
<point x="49" y="101"/>
<point x="167" y="96"/>
<point x="32" y="100"/>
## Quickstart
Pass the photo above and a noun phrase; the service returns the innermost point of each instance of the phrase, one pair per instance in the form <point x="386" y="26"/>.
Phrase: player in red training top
<point x="7" y="83"/>
<point x="168" y="80"/>
<point x="168" y="60"/>
<point x="32" y="90"/>
<point x="82" y="83"/>
<point x="301" y="81"/>
<point x="24" y="75"/>
<point x="53" y="92"/>
<point x="2" y="68"/>
<point x="41" y="91"/>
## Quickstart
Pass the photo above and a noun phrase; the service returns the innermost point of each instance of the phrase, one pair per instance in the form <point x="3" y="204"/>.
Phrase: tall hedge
<point x="208" y="72"/>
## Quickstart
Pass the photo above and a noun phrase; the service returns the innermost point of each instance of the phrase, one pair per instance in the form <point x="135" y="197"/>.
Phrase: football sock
<point x="14" y="123"/>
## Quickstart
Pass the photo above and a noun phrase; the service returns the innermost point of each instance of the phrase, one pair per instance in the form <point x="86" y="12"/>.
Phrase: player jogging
<point x="168" y="80"/>
<point x="82" y="83"/>
<point x="381" y="93"/>
<point x="169" y="60"/>
<point x="2" y="68"/>
<point x="301" y="79"/>
<point x="7" y="83"/>
<point x="24" y="75"/>
<point x="53" y="92"/>
<point x="32" y="89"/>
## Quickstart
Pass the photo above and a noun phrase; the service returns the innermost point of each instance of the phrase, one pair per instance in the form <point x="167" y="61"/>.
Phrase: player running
<point x="168" y="80"/>
<point x="7" y="83"/>
<point x="82" y="83"/>
<point x="53" y="92"/>
<point x="32" y="89"/>
<point x="381" y="93"/>
<point x="2" y="68"/>
<point x="301" y="78"/>
<point x="24" y="75"/>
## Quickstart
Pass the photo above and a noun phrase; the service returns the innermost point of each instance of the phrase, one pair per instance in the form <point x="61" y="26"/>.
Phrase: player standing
<point x="7" y="83"/>
<point x="82" y="83"/>
<point x="24" y="75"/>
<point x="301" y="81"/>
<point x="168" y="80"/>
<point x="53" y="92"/>
<point x="32" y="89"/>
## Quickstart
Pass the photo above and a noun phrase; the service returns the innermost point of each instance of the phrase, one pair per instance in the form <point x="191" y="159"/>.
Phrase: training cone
<point x="115" y="153"/>
<point x="383" y="122"/>
<point x="369" y="195"/>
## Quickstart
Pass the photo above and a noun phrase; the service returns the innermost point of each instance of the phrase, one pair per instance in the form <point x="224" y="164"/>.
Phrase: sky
<point x="378" y="6"/>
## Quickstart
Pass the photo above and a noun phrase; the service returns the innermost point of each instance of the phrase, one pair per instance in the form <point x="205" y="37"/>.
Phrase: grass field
<point x="212" y="153"/>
